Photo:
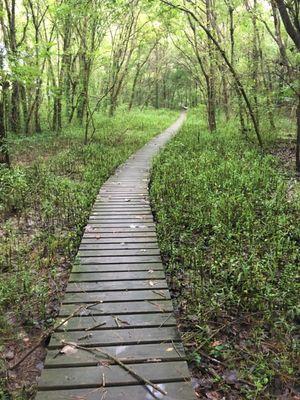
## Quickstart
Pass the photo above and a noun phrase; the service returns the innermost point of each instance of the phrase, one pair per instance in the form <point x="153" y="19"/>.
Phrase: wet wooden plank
<point x="175" y="391"/>
<point x="78" y="268"/>
<point x="127" y="354"/>
<point x="122" y="229"/>
<point x="130" y="295"/>
<point x="98" y="286"/>
<point x="119" y="252"/>
<point x="133" y="307"/>
<point x="99" y="245"/>
<point x="121" y="225"/>
<point x="82" y="377"/>
<point x="92" y="323"/>
<point x="114" y="337"/>
<point x="115" y="240"/>
<point x="120" y="276"/>
<point x="119" y="259"/>
<point x="122" y="208"/>
<point x="115" y="234"/>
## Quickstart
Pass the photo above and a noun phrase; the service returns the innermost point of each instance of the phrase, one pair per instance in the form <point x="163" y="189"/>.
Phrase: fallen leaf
<point x="169" y="349"/>
<point x="213" y="395"/>
<point x="68" y="349"/>
<point x="216" y="343"/>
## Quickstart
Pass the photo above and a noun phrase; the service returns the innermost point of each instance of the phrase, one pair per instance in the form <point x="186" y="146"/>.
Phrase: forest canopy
<point x="73" y="58"/>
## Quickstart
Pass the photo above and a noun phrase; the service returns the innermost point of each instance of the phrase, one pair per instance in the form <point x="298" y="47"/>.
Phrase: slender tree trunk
<point x="135" y="79"/>
<point x="15" y="108"/>
<point x="211" y="91"/>
<point x="298" y="136"/>
<point x="4" y="156"/>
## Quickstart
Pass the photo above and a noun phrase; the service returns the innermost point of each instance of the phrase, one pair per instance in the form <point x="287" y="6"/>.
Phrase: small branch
<point x="44" y="337"/>
<point x="140" y="378"/>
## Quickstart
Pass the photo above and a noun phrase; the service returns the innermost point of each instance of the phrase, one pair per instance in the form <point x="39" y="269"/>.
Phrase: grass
<point x="45" y="201"/>
<point x="228" y="229"/>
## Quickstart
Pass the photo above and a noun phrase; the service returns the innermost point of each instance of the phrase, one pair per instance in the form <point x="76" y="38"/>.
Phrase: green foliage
<point x="228" y="229"/>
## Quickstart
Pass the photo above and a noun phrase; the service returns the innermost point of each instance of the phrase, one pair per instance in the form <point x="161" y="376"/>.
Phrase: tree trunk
<point x="298" y="136"/>
<point x="211" y="91"/>
<point x="4" y="156"/>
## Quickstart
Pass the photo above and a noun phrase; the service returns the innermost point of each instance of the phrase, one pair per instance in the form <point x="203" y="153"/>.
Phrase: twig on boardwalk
<point x="140" y="378"/>
<point x="159" y="293"/>
<point x="156" y="305"/>
<point x="95" y="326"/>
<point x="44" y="337"/>
<point x="175" y="348"/>
<point x="166" y="320"/>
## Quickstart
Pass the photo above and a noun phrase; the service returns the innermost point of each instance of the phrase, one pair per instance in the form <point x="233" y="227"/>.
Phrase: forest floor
<point x="227" y="226"/>
<point x="44" y="205"/>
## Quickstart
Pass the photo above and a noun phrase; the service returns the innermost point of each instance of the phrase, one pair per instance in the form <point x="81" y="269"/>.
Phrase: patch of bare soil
<point x="284" y="150"/>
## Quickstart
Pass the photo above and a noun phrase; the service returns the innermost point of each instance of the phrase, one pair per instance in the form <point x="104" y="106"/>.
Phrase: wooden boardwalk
<point x="120" y="284"/>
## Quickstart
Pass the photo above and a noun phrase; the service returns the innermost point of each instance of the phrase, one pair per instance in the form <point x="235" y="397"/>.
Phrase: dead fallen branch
<point x="140" y="378"/>
<point x="44" y="337"/>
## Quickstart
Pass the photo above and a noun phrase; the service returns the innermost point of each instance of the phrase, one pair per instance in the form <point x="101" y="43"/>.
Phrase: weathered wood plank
<point x="119" y="259"/>
<point x="78" y="268"/>
<point x="113" y="234"/>
<point x="128" y="354"/>
<point x="124" y="214"/>
<point x="115" y="240"/>
<point x="113" y="276"/>
<point x="130" y="295"/>
<point x="114" y="337"/>
<point x="119" y="252"/>
<point x="78" y="287"/>
<point x="114" y="230"/>
<point x="132" y="307"/>
<point x="175" y="391"/>
<point x="121" y="224"/>
<point x="118" y="321"/>
<point x="99" y="245"/>
<point x="83" y="377"/>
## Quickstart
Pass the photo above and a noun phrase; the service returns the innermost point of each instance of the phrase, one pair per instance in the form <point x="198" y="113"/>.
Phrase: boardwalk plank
<point x="118" y="252"/>
<point x="78" y="268"/>
<point x="120" y="276"/>
<point x="118" y="321"/>
<point x="119" y="259"/>
<point x="99" y="245"/>
<point x="133" y="307"/>
<point x="130" y="295"/>
<point x="88" y="287"/>
<point x="114" y="337"/>
<point x="83" y="377"/>
<point x="175" y="391"/>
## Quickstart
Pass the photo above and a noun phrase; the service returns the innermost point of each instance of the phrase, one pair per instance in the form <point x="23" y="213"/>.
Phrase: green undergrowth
<point x="228" y="225"/>
<point x="45" y="200"/>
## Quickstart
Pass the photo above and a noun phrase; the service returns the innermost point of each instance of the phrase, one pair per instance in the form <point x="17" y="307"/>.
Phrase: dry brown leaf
<point x="68" y="349"/>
